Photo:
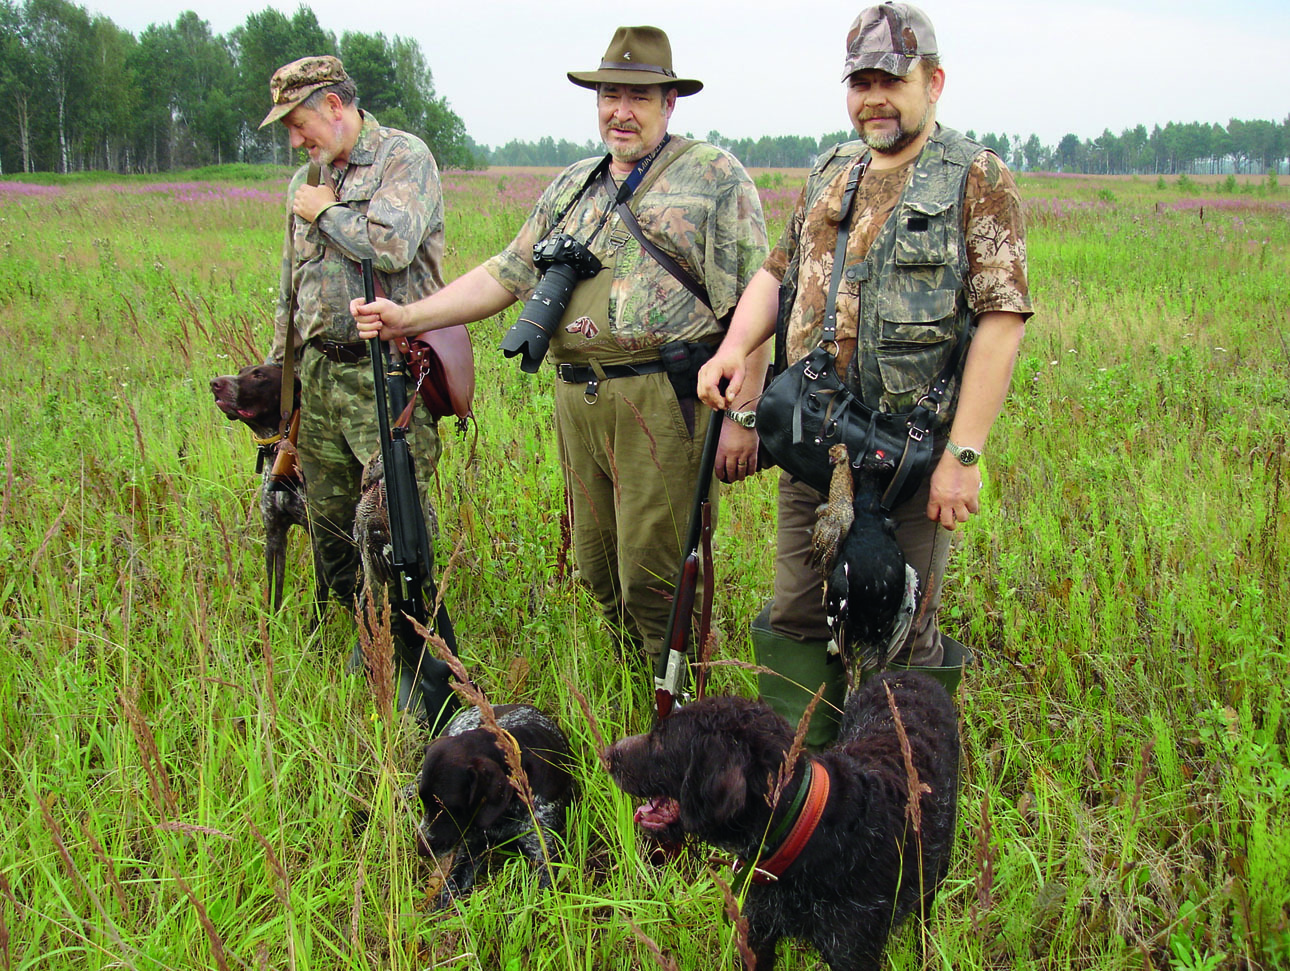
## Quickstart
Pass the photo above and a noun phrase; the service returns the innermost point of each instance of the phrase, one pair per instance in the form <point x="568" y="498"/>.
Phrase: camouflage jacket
<point x="932" y="246"/>
<point x="391" y="211"/>
<point x="703" y="210"/>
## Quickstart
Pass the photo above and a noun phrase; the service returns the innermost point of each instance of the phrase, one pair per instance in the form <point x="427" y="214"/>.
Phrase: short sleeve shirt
<point x="703" y="210"/>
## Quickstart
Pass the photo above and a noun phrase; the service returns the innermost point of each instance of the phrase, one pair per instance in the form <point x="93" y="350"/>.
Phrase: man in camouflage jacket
<point x="936" y="250"/>
<point x="378" y="198"/>
<point x="628" y="427"/>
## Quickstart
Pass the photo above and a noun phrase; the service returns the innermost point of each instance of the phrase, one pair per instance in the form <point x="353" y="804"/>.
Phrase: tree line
<point x="1197" y="148"/>
<point x="77" y="92"/>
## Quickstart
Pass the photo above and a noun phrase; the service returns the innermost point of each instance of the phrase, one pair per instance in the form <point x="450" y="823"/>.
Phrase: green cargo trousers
<point x="338" y="434"/>
<point x="630" y="466"/>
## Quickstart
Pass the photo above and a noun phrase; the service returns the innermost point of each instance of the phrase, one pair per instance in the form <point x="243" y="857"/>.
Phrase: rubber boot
<point x="800" y="668"/>
<point x="422" y="680"/>
<point x="949" y="672"/>
<point x="424" y="688"/>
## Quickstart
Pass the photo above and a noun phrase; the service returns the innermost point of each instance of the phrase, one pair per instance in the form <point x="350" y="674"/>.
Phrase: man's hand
<point x="724" y="365"/>
<point x="736" y="451"/>
<point x="956" y="492"/>
<point x="381" y="318"/>
<point x="311" y="200"/>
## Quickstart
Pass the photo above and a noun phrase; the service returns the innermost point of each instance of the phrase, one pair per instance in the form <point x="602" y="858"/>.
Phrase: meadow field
<point x="183" y="776"/>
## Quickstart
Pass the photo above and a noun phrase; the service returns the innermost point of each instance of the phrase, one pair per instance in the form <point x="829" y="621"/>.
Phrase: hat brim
<point x="592" y="79"/>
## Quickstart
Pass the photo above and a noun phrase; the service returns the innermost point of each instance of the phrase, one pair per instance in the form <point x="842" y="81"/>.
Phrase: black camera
<point x="563" y="262"/>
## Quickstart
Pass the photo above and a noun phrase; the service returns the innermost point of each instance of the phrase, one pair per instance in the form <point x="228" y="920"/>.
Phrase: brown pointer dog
<point x="470" y="803"/>
<point x="707" y="771"/>
<point x="254" y="396"/>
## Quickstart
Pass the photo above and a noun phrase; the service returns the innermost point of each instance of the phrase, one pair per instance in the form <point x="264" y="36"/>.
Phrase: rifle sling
<point x="288" y="401"/>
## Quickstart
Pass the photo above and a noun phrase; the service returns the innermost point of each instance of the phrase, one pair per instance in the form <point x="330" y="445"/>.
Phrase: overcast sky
<point x="1043" y="66"/>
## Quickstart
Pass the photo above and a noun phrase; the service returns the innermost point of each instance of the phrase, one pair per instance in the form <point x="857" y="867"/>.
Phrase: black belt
<point x="341" y="352"/>
<point x="581" y="373"/>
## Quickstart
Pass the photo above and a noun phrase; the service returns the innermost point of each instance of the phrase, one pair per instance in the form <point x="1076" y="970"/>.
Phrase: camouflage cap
<point x="294" y="82"/>
<point x="637" y="55"/>
<point x="890" y="37"/>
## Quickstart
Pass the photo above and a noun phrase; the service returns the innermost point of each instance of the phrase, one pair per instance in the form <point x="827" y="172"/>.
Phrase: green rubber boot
<point x="950" y="671"/>
<point x="800" y="667"/>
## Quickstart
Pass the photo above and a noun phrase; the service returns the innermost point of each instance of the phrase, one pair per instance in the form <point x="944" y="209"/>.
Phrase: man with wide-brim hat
<point x="367" y="192"/>
<point x="931" y="292"/>
<point x="632" y="333"/>
<point x="637" y="55"/>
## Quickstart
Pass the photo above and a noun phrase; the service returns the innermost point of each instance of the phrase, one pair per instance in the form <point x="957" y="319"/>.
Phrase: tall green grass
<point x="184" y="776"/>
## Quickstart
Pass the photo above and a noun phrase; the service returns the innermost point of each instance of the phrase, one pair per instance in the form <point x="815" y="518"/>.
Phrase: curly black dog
<point x="253" y="397"/>
<point x="708" y="772"/>
<point x="470" y="803"/>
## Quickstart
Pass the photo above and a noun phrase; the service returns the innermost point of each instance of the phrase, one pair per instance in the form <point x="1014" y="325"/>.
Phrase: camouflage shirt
<point x="390" y="210"/>
<point x="993" y="230"/>
<point x="702" y="210"/>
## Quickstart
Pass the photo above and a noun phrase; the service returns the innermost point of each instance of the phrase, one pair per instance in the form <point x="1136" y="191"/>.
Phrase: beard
<point x="894" y="141"/>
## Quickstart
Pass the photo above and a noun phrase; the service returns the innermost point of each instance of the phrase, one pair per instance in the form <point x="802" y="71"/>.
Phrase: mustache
<point x="871" y="115"/>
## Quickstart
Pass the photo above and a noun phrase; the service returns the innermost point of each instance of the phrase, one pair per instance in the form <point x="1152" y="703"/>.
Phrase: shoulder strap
<point x="287" y="403"/>
<point x="664" y="259"/>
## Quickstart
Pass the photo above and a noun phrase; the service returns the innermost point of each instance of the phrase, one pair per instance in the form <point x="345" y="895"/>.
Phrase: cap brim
<point x="279" y="112"/>
<point x="896" y="64"/>
<point x="591" y="79"/>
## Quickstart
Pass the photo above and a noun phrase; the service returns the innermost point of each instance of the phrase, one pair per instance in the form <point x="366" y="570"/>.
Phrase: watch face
<point x="968" y="456"/>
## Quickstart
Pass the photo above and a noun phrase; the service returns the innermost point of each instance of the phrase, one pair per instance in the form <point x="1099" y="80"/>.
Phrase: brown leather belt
<point x="341" y="352"/>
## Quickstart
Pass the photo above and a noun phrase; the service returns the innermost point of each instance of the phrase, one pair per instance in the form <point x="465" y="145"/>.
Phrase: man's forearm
<point x="986" y="376"/>
<point x="473" y="296"/>
<point x="754" y="319"/>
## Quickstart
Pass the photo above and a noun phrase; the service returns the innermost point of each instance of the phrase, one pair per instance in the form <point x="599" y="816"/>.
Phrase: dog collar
<point x="805" y="813"/>
<point x="264" y="442"/>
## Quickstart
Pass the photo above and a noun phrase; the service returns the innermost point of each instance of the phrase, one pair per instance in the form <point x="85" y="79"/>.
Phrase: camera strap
<point x="629" y="184"/>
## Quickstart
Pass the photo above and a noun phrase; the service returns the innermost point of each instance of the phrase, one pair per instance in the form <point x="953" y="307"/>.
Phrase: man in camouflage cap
<point x="936" y="250"/>
<point x="368" y="192"/>
<point x="629" y="343"/>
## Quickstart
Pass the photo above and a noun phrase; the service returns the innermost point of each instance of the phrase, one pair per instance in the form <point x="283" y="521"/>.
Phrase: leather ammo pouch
<point x="442" y="363"/>
<point x="808" y="409"/>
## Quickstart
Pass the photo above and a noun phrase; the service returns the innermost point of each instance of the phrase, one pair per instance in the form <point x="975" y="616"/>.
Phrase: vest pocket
<point x="917" y="331"/>
<point x="922" y="233"/>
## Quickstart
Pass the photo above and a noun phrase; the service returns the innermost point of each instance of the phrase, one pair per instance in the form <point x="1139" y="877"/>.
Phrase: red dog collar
<point x="816" y="786"/>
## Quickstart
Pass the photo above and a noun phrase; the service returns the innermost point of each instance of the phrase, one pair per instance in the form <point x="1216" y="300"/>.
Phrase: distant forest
<point x="79" y="93"/>
<point x="1243" y="147"/>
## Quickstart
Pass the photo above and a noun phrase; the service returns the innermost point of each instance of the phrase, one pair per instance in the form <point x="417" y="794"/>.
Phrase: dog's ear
<point x="492" y="791"/>
<point x="715" y="789"/>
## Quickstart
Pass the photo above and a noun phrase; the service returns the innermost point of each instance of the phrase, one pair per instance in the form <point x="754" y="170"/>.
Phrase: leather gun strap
<point x="288" y="400"/>
<point x="679" y="146"/>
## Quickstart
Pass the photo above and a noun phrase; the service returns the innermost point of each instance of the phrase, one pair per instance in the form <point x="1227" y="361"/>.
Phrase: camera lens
<point x="531" y="333"/>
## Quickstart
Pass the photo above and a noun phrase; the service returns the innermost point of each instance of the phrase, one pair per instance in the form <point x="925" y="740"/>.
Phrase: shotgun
<point x="669" y="674"/>
<point x="413" y="590"/>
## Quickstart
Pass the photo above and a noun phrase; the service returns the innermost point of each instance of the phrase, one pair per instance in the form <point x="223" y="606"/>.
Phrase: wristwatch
<point x="964" y="453"/>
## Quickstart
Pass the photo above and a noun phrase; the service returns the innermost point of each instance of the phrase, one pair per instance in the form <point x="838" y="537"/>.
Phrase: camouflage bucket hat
<point x="637" y="55"/>
<point x="294" y="82"/>
<point x="890" y="37"/>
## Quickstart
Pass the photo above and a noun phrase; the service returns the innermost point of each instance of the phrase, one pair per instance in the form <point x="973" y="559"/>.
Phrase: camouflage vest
<point x="912" y="283"/>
